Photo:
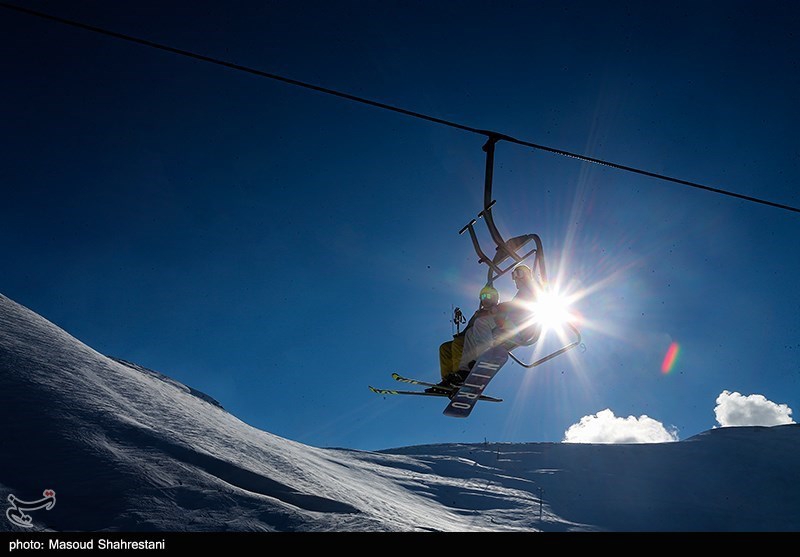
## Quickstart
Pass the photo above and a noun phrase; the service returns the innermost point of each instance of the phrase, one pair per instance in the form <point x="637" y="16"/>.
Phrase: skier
<point x="507" y="324"/>
<point x="450" y="351"/>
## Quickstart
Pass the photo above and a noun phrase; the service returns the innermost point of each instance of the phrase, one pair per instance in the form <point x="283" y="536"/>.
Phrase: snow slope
<point x="129" y="449"/>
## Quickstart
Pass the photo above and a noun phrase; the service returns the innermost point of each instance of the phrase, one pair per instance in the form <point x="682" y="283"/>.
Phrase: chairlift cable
<point x="491" y="135"/>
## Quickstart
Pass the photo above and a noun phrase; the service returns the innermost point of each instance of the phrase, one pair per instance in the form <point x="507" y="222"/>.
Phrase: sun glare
<point x="551" y="310"/>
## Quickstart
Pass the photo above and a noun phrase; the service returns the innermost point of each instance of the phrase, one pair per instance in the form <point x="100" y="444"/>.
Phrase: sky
<point x="282" y="249"/>
<point x="108" y="448"/>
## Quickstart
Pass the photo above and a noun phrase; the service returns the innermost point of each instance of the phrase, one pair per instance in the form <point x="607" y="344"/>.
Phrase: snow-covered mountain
<point x="128" y="449"/>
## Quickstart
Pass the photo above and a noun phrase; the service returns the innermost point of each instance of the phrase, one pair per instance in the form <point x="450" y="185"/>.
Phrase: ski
<point x="450" y="390"/>
<point x="398" y="377"/>
<point x="423" y="393"/>
<point x="486" y="367"/>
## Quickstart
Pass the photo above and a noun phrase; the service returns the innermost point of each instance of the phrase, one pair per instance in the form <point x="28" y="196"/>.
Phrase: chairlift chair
<point x="510" y="250"/>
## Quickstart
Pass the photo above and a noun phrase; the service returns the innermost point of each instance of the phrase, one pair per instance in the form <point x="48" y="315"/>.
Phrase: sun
<point x="551" y="309"/>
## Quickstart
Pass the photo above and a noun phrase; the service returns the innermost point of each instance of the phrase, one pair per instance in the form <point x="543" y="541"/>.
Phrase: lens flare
<point x="670" y="358"/>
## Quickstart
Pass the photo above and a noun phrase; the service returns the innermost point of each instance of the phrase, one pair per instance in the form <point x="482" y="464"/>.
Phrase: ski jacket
<point x="512" y="317"/>
<point x="481" y="312"/>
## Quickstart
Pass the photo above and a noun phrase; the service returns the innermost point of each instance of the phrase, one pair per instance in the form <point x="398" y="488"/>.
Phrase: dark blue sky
<point x="281" y="249"/>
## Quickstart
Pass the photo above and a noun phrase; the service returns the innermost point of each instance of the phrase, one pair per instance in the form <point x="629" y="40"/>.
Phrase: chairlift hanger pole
<point x="488" y="202"/>
<point x="506" y="249"/>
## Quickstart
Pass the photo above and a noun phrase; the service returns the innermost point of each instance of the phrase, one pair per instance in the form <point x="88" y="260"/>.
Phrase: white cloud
<point x="735" y="409"/>
<point x="605" y="427"/>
